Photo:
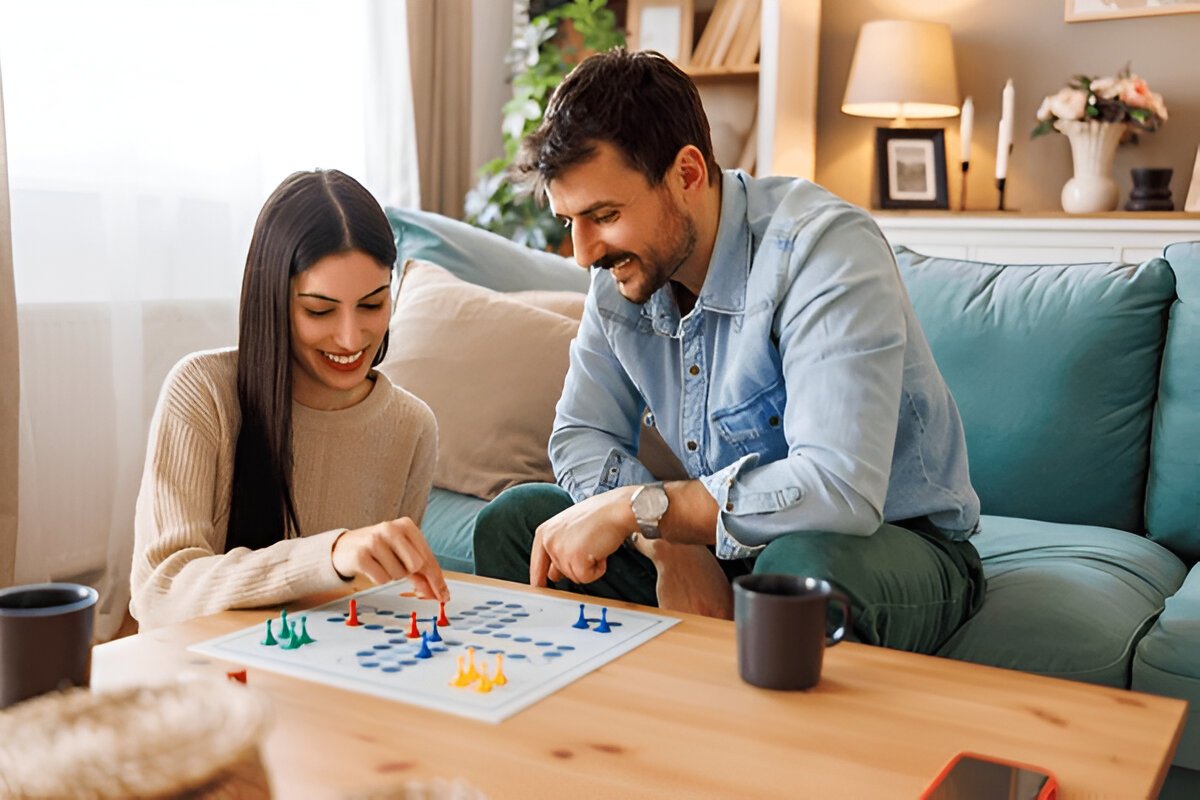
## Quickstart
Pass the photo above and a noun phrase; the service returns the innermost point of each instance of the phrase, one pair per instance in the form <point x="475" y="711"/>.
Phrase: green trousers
<point x="909" y="588"/>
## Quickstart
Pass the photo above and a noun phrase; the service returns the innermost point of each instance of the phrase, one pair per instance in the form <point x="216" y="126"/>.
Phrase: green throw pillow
<point x="1054" y="369"/>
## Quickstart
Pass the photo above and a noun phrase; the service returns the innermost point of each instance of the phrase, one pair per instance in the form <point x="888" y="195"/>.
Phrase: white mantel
<point x="1010" y="238"/>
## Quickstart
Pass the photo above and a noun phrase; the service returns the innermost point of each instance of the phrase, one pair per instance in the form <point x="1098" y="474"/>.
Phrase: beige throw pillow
<point x="491" y="366"/>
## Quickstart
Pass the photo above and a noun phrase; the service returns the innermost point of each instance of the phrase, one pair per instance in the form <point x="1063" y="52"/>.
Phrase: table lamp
<point x="902" y="70"/>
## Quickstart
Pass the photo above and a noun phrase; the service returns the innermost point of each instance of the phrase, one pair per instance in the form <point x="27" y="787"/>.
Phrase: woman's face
<point x="340" y="307"/>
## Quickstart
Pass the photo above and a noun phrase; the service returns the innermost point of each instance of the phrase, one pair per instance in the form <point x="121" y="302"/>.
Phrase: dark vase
<point x="1151" y="189"/>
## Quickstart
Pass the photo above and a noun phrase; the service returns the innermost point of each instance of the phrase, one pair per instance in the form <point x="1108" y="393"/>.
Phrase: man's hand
<point x="576" y="543"/>
<point x="388" y="551"/>
<point x="689" y="578"/>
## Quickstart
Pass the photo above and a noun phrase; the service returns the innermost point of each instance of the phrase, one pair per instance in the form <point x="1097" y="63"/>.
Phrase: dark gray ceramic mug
<point x="782" y="628"/>
<point x="45" y="639"/>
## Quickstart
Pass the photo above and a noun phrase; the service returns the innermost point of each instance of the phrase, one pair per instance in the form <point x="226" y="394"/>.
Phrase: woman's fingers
<point x="389" y="551"/>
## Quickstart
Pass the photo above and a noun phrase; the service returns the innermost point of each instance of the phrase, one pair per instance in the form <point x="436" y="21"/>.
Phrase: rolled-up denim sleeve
<point x="598" y="417"/>
<point x="841" y="328"/>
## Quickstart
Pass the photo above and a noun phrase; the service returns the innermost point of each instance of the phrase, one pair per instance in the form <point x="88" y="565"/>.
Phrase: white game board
<point x="542" y="651"/>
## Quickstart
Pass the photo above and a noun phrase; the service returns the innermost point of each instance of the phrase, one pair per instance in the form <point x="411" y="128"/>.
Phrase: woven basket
<point x="196" y="740"/>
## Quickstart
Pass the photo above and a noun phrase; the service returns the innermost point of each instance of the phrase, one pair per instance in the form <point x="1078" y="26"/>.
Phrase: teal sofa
<point x="1079" y="388"/>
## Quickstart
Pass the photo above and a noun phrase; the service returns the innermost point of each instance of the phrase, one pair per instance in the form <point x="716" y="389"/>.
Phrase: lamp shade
<point x="902" y="69"/>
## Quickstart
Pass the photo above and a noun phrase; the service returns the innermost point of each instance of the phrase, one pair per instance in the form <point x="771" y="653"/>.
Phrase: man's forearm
<point x="691" y="516"/>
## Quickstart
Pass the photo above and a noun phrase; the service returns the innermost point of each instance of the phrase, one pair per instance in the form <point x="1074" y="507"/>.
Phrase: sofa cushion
<point x="1070" y="601"/>
<point x="469" y="352"/>
<point x="1173" y="497"/>
<point x="481" y="257"/>
<point x="1054" y="370"/>
<point x="1168" y="661"/>
<point x="449" y="527"/>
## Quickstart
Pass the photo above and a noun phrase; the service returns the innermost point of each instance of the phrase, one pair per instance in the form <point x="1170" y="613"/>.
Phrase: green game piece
<point x="285" y="630"/>
<point x="304" y="637"/>
<point x="270" y="640"/>
<point x="292" y="642"/>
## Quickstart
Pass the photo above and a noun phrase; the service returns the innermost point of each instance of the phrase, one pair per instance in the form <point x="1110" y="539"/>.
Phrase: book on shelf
<point x="744" y="51"/>
<point x="731" y="36"/>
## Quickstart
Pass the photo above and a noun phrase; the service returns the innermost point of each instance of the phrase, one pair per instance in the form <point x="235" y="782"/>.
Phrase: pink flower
<point x="1133" y="91"/>
<point x="1066" y="104"/>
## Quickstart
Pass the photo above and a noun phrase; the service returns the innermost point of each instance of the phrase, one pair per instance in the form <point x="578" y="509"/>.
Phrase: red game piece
<point x="442" y="615"/>
<point x="239" y="676"/>
<point x="352" y="620"/>
<point x="413" y="633"/>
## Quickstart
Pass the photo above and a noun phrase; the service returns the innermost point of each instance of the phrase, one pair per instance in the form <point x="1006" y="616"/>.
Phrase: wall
<point x="1028" y="41"/>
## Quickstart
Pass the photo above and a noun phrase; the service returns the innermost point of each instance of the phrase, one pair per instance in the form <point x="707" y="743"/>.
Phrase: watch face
<point x="650" y="503"/>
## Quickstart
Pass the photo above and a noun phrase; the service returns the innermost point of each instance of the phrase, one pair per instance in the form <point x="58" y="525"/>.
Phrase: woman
<point x="289" y="466"/>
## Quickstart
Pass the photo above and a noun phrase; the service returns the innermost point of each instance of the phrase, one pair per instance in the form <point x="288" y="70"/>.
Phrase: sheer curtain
<point x="143" y="138"/>
<point x="9" y="401"/>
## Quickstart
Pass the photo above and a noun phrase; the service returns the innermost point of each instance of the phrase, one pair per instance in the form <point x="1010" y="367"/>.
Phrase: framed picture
<point x="911" y="164"/>
<point x="1090" y="10"/>
<point x="662" y="25"/>
<point x="1192" y="203"/>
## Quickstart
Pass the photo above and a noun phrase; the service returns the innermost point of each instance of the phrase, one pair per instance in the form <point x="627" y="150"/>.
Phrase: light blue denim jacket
<point x="800" y="389"/>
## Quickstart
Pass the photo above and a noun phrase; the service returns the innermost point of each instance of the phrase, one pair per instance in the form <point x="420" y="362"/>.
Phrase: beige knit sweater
<point x="354" y="467"/>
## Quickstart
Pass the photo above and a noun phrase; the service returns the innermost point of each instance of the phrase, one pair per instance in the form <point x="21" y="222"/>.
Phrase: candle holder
<point x="962" y="195"/>
<point x="1000" y="186"/>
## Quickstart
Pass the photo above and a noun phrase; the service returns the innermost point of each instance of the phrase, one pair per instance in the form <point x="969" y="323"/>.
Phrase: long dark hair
<point x="311" y="215"/>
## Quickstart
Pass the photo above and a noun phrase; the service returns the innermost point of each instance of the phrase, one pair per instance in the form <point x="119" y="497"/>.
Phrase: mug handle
<point x="836" y="597"/>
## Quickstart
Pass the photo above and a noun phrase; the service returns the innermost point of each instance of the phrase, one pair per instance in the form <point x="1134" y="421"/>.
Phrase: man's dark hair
<point x="310" y="215"/>
<point x="640" y="102"/>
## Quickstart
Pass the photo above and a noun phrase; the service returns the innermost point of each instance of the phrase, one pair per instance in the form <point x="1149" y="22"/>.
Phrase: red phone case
<point x="1048" y="792"/>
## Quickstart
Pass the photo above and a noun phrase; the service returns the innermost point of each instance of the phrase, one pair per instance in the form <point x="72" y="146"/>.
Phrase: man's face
<point x="621" y="223"/>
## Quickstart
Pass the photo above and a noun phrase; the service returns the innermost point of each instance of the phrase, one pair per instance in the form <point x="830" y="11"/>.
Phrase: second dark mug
<point x="782" y="628"/>
<point x="45" y="639"/>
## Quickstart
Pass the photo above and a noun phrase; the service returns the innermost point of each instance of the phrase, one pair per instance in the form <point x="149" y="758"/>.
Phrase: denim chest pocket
<point x="755" y="425"/>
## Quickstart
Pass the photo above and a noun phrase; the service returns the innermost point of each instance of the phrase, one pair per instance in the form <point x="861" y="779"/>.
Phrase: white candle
<point x="965" y="125"/>
<point x="1002" y="153"/>
<point x="1005" y="139"/>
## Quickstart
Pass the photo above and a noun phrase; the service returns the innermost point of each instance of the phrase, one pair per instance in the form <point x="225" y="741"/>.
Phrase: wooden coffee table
<point x="672" y="719"/>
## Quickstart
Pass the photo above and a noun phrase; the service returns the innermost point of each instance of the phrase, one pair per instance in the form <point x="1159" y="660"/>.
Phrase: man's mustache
<point x="611" y="260"/>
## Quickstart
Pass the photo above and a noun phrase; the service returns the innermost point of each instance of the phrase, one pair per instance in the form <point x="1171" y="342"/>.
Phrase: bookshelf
<point x="755" y="64"/>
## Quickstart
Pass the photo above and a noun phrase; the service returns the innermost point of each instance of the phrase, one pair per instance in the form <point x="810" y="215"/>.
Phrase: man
<point x="763" y="328"/>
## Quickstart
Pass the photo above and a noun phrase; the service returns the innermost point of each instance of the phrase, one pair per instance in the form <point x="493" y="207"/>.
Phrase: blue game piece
<point x="603" y="626"/>
<point x="582" y="621"/>
<point x="434" y="636"/>
<point x="304" y="637"/>
<point x="424" y="652"/>
<point x="270" y="641"/>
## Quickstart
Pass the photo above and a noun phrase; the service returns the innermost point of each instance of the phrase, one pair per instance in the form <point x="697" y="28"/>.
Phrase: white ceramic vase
<point x="1093" y="146"/>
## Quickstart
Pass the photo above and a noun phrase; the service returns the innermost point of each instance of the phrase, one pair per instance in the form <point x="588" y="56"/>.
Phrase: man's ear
<point x="690" y="169"/>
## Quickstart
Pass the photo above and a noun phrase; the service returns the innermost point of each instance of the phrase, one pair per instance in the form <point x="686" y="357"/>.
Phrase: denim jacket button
<point x="694" y="370"/>
<point x="691" y="445"/>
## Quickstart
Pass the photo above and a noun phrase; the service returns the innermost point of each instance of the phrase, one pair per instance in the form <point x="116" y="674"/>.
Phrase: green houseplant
<point x="542" y="53"/>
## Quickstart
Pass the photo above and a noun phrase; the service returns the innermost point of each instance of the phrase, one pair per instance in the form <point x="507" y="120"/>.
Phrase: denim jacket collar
<point x="724" y="288"/>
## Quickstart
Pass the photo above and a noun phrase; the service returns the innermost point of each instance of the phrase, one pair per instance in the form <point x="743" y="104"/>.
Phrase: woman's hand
<point x="390" y="550"/>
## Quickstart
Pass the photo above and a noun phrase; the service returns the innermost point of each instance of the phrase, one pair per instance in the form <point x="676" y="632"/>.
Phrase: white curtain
<point x="9" y="403"/>
<point x="143" y="137"/>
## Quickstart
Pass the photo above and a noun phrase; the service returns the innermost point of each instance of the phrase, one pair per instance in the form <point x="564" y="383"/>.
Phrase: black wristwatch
<point x="649" y="504"/>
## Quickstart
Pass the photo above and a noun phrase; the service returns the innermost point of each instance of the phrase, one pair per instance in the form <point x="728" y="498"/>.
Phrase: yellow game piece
<point x="500" y="679"/>
<point x="460" y="677"/>
<point x="472" y="673"/>
<point x="485" y="685"/>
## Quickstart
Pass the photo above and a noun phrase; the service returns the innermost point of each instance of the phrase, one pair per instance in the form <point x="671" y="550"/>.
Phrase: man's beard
<point x="660" y="265"/>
